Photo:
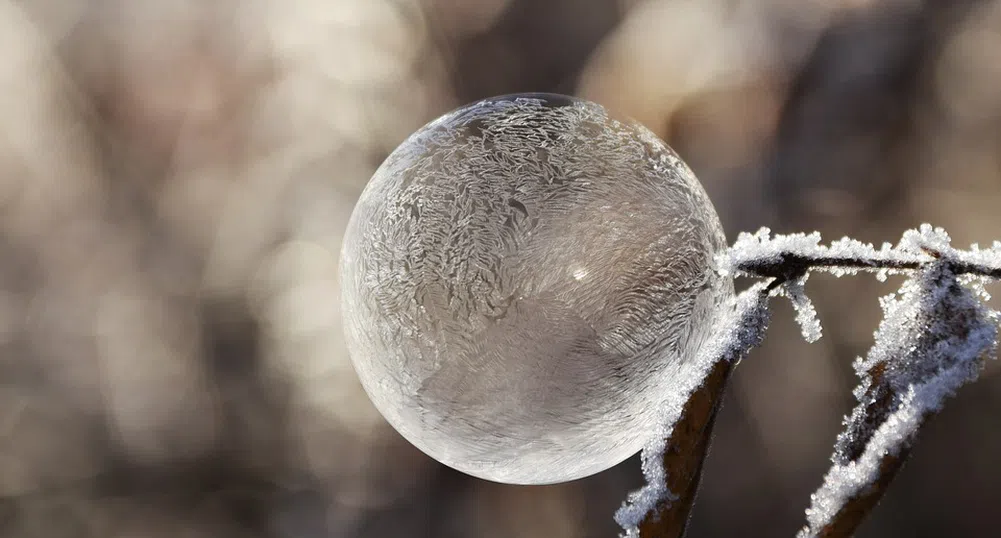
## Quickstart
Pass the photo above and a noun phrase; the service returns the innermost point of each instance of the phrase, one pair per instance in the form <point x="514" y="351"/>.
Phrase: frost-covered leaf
<point x="740" y="329"/>
<point x="932" y="341"/>
<point x="934" y="337"/>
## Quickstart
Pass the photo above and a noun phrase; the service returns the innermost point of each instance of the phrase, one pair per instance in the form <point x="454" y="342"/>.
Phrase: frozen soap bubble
<point x="523" y="281"/>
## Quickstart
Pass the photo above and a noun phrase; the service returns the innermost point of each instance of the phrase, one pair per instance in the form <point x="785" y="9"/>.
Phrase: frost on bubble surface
<point x="523" y="281"/>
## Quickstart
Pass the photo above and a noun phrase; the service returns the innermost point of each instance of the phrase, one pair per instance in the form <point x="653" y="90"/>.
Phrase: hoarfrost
<point x="753" y="252"/>
<point x="806" y="314"/>
<point x="933" y="339"/>
<point x="741" y="329"/>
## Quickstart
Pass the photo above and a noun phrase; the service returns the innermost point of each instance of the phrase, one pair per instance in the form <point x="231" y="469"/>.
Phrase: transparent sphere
<point x="523" y="281"/>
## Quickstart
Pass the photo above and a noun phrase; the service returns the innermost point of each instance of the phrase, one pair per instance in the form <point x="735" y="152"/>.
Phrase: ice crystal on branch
<point x="787" y="257"/>
<point x="806" y="314"/>
<point x="934" y="338"/>
<point x="741" y="328"/>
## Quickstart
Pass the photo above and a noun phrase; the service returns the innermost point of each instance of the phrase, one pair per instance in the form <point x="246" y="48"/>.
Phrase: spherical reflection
<point x="522" y="280"/>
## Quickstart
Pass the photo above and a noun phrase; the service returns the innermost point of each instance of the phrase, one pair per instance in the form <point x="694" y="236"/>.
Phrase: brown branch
<point x="673" y="465"/>
<point x="789" y="266"/>
<point x="851" y="515"/>
<point x="887" y="383"/>
<point x="662" y="508"/>
<point x="876" y="406"/>
<point x="685" y="454"/>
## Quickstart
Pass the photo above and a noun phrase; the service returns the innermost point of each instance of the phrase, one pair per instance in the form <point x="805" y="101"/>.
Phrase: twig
<point x="684" y="456"/>
<point x="673" y="463"/>
<point x="929" y="345"/>
<point x="790" y="266"/>
<point x="851" y="445"/>
<point x="786" y="258"/>
<point x="932" y="341"/>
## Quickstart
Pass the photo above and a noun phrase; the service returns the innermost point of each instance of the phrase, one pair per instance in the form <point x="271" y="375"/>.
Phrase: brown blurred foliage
<point x="175" y="177"/>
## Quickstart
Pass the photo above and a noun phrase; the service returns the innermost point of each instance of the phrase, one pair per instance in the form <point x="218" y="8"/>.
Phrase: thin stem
<point x="851" y="445"/>
<point x="662" y="507"/>
<point x="789" y="266"/>
<point x="684" y="456"/>
<point x="873" y="443"/>
<point x="932" y="341"/>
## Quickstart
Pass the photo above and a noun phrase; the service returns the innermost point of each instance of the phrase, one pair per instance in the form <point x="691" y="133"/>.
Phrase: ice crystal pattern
<point x="524" y="279"/>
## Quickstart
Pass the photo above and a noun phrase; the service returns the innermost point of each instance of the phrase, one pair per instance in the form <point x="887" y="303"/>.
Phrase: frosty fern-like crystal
<point x="524" y="279"/>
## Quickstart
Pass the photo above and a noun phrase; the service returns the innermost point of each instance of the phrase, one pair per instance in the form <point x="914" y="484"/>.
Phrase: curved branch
<point x="933" y="341"/>
<point x="684" y="456"/>
<point x="672" y="465"/>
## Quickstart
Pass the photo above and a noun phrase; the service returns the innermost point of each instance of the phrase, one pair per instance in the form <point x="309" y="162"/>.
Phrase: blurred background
<point x="175" y="176"/>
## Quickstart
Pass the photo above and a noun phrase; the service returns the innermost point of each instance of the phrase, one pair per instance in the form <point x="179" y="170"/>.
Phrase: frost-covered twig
<point x="789" y="257"/>
<point x="672" y="463"/>
<point x="806" y="314"/>
<point x="932" y="341"/>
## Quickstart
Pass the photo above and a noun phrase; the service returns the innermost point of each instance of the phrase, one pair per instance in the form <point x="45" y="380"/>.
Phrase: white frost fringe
<point x="929" y="358"/>
<point x="742" y="329"/>
<point x="936" y="357"/>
